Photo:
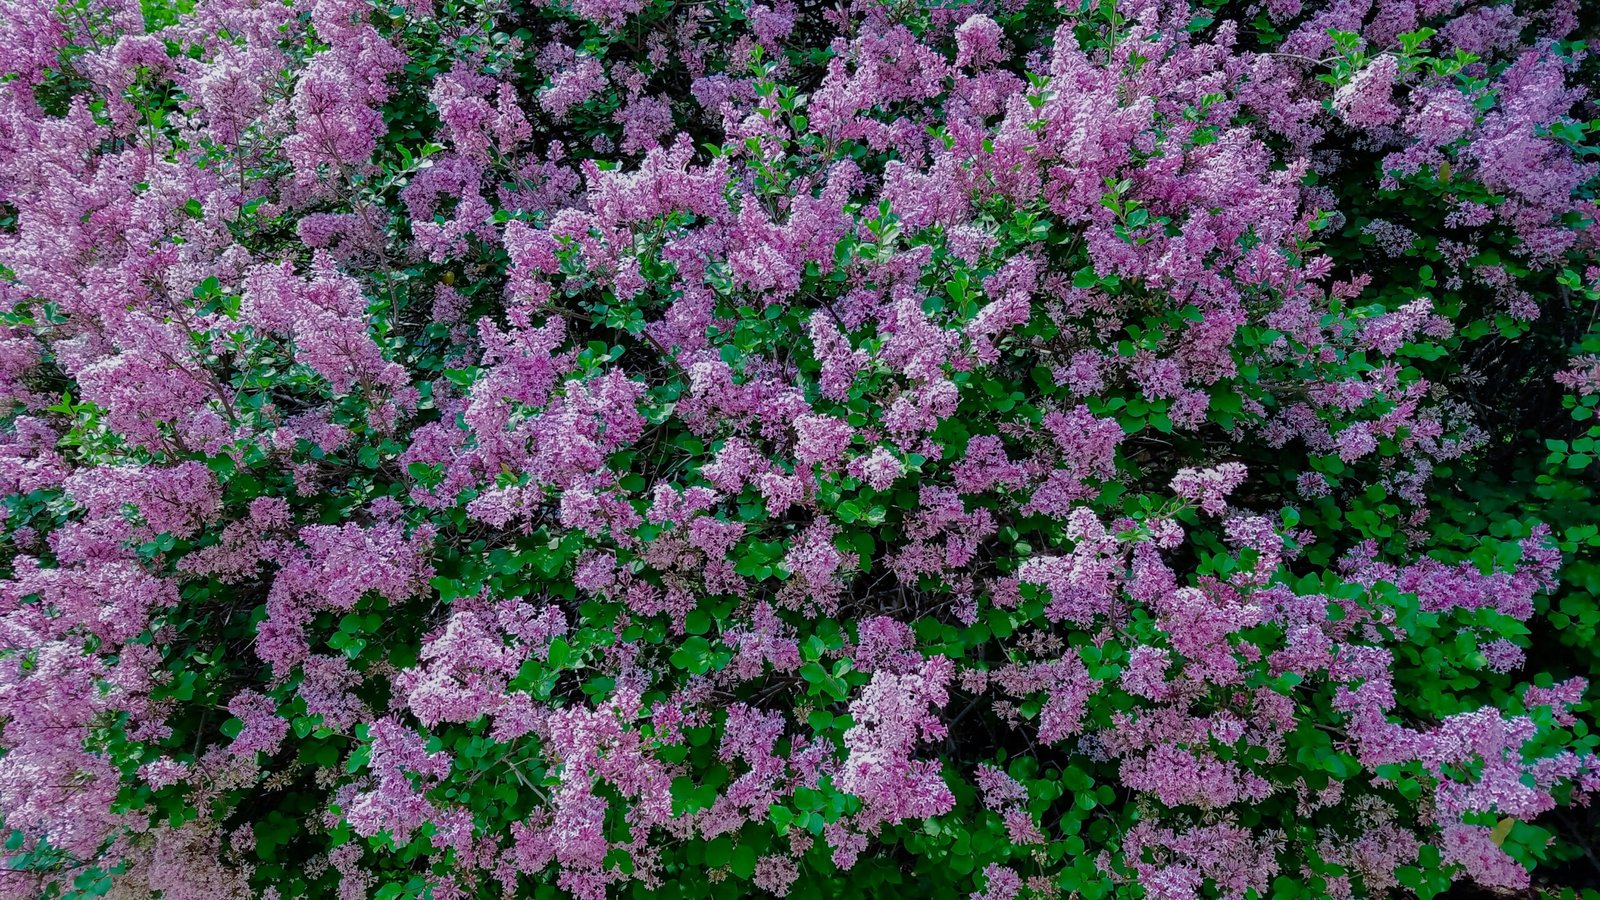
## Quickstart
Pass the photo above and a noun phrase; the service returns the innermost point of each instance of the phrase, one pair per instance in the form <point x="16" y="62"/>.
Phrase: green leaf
<point x="560" y="654"/>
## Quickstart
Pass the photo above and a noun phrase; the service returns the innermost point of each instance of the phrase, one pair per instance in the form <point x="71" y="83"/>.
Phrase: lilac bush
<point x="519" y="448"/>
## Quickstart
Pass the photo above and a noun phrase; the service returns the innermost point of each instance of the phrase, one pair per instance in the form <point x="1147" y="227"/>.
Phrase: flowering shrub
<point x="472" y="448"/>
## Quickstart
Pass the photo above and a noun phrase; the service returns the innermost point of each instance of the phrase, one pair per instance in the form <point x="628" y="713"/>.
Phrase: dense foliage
<point x="658" y="448"/>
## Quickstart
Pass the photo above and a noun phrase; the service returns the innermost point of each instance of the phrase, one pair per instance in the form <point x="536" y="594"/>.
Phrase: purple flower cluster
<point x="616" y="443"/>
